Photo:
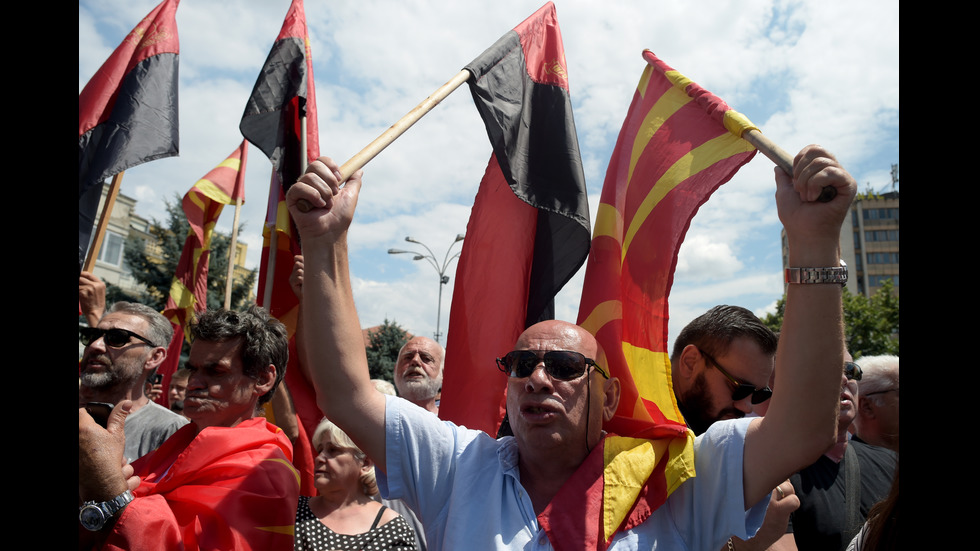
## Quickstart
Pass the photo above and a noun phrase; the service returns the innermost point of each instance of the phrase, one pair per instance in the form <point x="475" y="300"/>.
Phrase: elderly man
<point x="475" y="492"/>
<point x="720" y="366"/>
<point x="418" y="372"/>
<point x="225" y="480"/>
<point x="877" y="416"/>
<point x="837" y="491"/>
<point x="127" y="345"/>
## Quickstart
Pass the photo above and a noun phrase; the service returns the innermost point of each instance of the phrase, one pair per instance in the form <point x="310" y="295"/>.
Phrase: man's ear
<point x="865" y="408"/>
<point x="611" y="398"/>
<point x="265" y="380"/>
<point x="687" y="366"/>
<point x="155" y="358"/>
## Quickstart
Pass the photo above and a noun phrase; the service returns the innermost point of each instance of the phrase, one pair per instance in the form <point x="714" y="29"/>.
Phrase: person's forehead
<point x="420" y="345"/>
<point x="121" y="320"/>
<point x="227" y="353"/>
<point x="746" y="361"/>
<point x="557" y="336"/>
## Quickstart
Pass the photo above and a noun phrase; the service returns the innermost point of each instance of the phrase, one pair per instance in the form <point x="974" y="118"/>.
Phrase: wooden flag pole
<point x="110" y="201"/>
<point x="231" y="254"/>
<point x="362" y="158"/>
<point x="782" y="159"/>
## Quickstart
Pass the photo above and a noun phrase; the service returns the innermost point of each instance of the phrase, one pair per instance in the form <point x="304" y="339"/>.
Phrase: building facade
<point x="869" y="241"/>
<point x="111" y="266"/>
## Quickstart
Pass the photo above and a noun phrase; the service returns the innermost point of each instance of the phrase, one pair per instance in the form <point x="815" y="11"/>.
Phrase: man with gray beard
<point x="418" y="372"/>
<point x="127" y="345"/>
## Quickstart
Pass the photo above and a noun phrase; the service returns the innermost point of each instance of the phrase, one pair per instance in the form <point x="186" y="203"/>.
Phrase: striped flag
<point x="529" y="230"/>
<point x="280" y="119"/>
<point x="202" y="205"/>
<point x="679" y="143"/>
<point x="127" y="112"/>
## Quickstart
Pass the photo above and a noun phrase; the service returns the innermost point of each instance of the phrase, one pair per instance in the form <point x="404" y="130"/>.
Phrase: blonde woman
<point x="344" y="515"/>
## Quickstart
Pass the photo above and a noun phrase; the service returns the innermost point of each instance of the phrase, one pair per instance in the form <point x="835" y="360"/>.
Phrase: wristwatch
<point x="93" y="516"/>
<point x="836" y="274"/>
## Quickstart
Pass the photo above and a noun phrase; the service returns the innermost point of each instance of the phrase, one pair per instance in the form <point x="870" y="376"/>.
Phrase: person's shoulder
<point x="161" y="411"/>
<point x="875" y="455"/>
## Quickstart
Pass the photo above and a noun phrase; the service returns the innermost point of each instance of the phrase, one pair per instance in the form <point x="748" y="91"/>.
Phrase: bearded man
<point x="127" y="345"/>
<point x="418" y="372"/>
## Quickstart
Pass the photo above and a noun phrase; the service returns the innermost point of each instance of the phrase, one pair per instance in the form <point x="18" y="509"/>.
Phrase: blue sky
<point x="803" y="71"/>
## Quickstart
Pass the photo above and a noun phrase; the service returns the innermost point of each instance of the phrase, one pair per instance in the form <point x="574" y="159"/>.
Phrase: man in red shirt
<point x="225" y="480"/>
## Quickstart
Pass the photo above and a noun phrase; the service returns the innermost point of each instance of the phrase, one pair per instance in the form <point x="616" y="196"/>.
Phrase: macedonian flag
<point x="679" y="143"/>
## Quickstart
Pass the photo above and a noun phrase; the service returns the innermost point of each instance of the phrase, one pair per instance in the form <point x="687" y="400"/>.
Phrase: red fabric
<point x="156" y="34"/>
<point x="280" y="244"/>
<point x="672" y="153"/>
<point x="489" y="303"/>
<point x="303" y="461"/>
<point x="225" y="488"/>
<point x="202" y="206"/>
<point x="528" y="232"/>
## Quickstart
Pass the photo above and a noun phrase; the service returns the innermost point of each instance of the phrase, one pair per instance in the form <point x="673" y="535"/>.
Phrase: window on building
<point x="111" y="251"/>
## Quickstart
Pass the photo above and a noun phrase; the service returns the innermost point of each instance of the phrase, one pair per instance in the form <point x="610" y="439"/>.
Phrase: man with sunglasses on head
<point x="720" y="366"/>
<point x="472" y="491"/>
<point x="121" y="351"/>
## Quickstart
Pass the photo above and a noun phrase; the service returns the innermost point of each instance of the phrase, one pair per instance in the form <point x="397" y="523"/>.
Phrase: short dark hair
<point x="715" y="330"/>
<point x="264" y="339"/>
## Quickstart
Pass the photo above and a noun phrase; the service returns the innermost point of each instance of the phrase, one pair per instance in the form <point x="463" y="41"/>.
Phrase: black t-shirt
<point x="819" y="522"/>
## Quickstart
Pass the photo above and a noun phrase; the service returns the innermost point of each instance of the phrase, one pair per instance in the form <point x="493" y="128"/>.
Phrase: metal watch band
<point x="93" y="515"/>
<point x="836" y="274"/>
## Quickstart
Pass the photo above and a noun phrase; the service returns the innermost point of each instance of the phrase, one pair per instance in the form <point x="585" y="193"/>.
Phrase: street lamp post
<point x="431" y="257"/>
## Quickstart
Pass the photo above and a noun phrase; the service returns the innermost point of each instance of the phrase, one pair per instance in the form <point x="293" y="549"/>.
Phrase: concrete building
<point x="111" y="266"/>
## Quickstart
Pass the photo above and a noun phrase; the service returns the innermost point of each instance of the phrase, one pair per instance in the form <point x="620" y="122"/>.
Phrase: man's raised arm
<point x="802" y="419"/>
<point x="334" y="347"/>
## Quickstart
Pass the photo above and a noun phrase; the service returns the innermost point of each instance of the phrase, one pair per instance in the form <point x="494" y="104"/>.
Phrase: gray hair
<point x="158" y="328"/>
<point x="878" y="373"/>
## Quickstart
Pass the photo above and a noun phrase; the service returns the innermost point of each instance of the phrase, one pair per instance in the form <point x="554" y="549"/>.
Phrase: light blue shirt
<point x="465" y="488"/>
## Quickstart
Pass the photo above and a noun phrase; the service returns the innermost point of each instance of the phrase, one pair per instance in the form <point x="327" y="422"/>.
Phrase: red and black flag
<point x="529" y="228"/>
<point x="282" y="97"/>
<point x="127" y="113"/>
<point x="280" y="119"/>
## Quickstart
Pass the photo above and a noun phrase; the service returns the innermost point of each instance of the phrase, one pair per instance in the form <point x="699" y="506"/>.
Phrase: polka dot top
<point x="313" y="535"/>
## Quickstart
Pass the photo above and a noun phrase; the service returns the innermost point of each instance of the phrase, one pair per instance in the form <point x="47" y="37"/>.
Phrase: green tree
<point x="871" y="324"/>
<point x="157" y="274"/>
<point x="382" y="349"/>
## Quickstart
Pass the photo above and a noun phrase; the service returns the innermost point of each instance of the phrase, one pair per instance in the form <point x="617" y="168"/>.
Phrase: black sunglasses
<point x="852" y="371"/>
<point x="113" y="338"/>
<point x="741" y="389"/>
<point x="564" y="365"/>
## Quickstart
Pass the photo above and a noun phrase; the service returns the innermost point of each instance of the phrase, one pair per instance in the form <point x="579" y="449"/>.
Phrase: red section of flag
<point x="202" y="206"/>
<point x="489" y="305"/>
<point x="283" y="96"/>
<point x="529" y="229"/>
<point x="156" y="34"/>
<point x="127" y="112"/>
<point x="673" y="151"/>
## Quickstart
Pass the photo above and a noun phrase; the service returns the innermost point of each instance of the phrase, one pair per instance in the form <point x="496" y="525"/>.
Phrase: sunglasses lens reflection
<point x="559" y="364"/>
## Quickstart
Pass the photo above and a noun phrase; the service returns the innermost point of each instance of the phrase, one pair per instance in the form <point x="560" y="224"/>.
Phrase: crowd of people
<point x="772" y="469"/>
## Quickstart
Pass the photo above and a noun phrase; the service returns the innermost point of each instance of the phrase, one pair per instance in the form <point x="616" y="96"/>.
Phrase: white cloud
<point x="805" y="72"/>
